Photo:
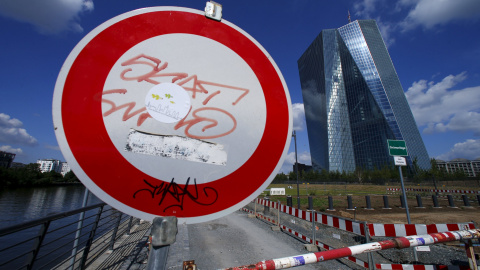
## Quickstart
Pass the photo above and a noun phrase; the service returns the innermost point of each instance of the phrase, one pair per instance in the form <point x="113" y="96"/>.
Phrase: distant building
<point x="6" y="159"/>
<point x="470" y="167"/>
<point x="48" y="165"/>
<point x="65" y="168"/>
<point x="302" y="168"/>
<point x="354" y="101"/>
<point x="16" y="165"/>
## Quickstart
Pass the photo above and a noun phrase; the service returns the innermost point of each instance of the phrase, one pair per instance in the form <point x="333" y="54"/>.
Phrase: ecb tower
<point x="354" y="101"/>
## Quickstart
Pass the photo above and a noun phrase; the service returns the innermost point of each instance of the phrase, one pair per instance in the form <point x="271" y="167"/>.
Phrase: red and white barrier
<point x="420" y="267"/>
<point x="305" y="238"/>
<point x="434" y="190"/>
<point x="322" y="245"/>
<point x="400" y="243"/>
<point x="398" y="230"/>
<point x="375" y="229"/>
<point x="336" y="222"/>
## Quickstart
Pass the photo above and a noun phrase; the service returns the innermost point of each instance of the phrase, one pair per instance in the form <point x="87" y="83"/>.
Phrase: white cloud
<point x="303" y="157"/>
<point x="415" y="13"/>
<point x="469" y="149"/>
<point x="298" y="113"/>
<point x="365" y="8"/>
<point x="438" y="108"/>
<point x="8" y="148"/>
<point x="48" y="16"/>
<point x="368" y="9"/>
<point x="429" y="13"/>
<point x="52" y="147"/>
<point x="11" y="131"/>
<point x="386" y="30"/>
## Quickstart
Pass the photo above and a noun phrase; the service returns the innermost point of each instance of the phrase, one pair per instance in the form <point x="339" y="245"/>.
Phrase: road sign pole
<point x="296" y="169"/>
<point x="406" y="206"/>
<point x="164" y="231"/>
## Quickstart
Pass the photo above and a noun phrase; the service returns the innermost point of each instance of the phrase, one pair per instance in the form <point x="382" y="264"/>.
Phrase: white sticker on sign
<point x="167" y="102"/>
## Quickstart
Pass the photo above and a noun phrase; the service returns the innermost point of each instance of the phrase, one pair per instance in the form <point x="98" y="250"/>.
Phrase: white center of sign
<point x="197" y="110"/>
<point x="167" y="102"/>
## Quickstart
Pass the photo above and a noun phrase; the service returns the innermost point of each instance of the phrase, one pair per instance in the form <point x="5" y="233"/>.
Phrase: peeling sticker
<point x="421" y="241"/>
<point x="299" y="260"/>
<point x="175" y="147"/>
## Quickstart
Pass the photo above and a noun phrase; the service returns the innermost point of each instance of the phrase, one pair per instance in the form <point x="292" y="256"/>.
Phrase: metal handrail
<point x="36" y="222"/>
<point x="45" y="242"/>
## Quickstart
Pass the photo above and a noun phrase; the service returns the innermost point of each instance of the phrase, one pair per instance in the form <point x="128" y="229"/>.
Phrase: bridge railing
<point x="58" y="241"/>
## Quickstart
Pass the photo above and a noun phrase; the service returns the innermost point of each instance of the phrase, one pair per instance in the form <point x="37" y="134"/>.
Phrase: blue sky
<point x="434" y="45"/>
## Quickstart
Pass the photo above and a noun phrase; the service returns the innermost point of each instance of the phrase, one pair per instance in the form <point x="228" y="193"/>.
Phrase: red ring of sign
<point x="95" y="153"/>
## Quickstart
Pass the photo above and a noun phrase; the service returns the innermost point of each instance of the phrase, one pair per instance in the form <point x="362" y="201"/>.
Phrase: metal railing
<point x="69" y="240"/>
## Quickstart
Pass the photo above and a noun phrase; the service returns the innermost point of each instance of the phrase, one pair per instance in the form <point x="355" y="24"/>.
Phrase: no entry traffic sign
<point x="163" y="112"/>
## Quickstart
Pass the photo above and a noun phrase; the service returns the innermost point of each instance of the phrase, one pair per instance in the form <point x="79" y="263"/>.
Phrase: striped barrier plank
<point x="420" y="267"/>
<point x="398" y="230"/>
<point x="375" y="229"/>
<point x="435" y="190"/>
<point x="332" y="221"/>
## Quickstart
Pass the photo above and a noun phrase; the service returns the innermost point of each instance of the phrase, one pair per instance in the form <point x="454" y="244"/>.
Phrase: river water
<point x="22" y="205"/>
<point x="25" y="204"/>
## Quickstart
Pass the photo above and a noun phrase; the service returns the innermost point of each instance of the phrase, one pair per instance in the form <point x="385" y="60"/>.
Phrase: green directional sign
<point x="397" y="148"/>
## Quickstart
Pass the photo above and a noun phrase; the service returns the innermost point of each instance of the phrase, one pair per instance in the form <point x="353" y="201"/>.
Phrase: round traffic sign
<point x="164" y="112"/>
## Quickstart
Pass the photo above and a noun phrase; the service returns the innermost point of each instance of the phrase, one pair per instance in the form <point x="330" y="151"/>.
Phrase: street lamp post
<point x="296" y="168"/>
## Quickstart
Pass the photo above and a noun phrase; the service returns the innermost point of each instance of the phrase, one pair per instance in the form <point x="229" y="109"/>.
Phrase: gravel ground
<point x="439" y="254"/>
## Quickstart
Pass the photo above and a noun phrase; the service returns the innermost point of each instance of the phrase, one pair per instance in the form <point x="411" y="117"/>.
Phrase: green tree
<point x="49" y="178"/>
<point x="292" y="176"/>
<point x="28" y="175"/>
<point x="279" y="178"/>
<point x="7" y="177"/>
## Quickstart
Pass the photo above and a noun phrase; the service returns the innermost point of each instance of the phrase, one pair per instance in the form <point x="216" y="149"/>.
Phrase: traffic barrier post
<point x="330" y="203"/>
<point x="368" y="202"/>
<point x="349" y="203"/>
<point x="402" y="202"/>
<point x="419" y="201"/>
<point x="451" y="203"/>
<point x="435" y="201"/>
<point x="466" y="202"/>
<point x="385" y="202"/>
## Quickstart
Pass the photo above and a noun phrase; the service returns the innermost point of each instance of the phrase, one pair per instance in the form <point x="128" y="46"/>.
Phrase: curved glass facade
<point x="354" y="101"/>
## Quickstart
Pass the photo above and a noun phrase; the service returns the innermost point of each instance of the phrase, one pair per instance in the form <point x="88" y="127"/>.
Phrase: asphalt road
<point x="237" y="240"/>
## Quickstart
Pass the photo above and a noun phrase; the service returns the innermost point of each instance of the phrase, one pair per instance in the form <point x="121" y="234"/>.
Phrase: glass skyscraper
<point x="354" y="101"/>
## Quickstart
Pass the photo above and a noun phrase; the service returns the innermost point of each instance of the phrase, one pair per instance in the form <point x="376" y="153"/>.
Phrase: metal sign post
<point x="398" y="149"/>
<point x="164" y="231"/>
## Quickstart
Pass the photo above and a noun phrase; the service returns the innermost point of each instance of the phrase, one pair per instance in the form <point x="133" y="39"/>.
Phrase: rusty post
<point x="472" y="262"/>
